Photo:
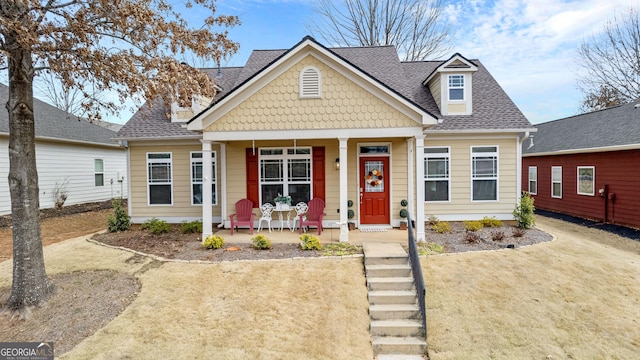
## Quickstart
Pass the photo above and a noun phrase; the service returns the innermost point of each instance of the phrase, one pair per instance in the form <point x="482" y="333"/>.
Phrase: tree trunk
<point x="31" y="287"/>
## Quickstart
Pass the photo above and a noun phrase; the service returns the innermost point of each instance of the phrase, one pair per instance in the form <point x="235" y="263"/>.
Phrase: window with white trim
<point x="310" y="83"/>
<point x="533" y="180"/>
<point x="436" y="173"/>
<point x="456" y="87"/>
<point x="285" y="171"/>
<point x="586" y="180"/>
<point x="484" y="173"/>
<point x="159" y="179"/>
<point x="556" y="181"/>
<point x="197" y="178"/>
<point x="98" y="172"/>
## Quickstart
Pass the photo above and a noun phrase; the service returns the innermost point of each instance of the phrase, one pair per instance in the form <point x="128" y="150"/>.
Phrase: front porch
<point x="329" y="235"/>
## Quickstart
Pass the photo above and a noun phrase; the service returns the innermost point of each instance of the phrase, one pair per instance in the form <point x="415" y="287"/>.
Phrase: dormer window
<point x="310" y="83"/>
<point x="456" y="87"/>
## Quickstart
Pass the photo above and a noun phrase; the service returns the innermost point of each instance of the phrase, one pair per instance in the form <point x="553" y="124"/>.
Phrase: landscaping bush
<point x="491" y="222"/>
<point x="155" y="226"/>
<point x="497" y="236"/>
<point x="213" y="242"/>
<point x="523" y="213"/>
<point x="441" y="227"/>
<point x="472" y="238"/>
<point x="310" y="242"/>
<point x="119" y="220"/>
<point x="340" y="249"/>
<point x="518" y="232"/>
<point x="260" y="242"/>
<point x="432" y="220"/>
<point x="191" y="227"/>
<point x="472" y="225"/>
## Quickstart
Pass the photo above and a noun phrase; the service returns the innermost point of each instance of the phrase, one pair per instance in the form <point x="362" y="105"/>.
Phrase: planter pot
<point x="403" y="225"/>
<point x="282" y="206"/>
<point x="352" y="226"/>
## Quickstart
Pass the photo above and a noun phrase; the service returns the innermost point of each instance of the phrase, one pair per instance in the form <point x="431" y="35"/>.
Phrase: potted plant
<point x="403" y="214"/>
<point x="282" y="201"/>
<point x="351" y="214"/>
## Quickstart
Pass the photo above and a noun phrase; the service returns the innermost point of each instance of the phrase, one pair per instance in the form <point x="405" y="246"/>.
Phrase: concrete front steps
<point x="396" y="325"/>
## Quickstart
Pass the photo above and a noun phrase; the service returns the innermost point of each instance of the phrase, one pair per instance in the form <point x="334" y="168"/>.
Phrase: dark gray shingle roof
<point x="51" y="122"/>
<point x="492" y="108"/>
<point x="614" y="126"/>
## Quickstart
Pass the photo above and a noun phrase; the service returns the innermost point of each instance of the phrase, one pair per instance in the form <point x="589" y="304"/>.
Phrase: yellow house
<point x="352" y="126"/>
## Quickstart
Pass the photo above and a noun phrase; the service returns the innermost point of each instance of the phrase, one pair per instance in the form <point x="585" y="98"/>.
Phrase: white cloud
<point x="530" y="46"/>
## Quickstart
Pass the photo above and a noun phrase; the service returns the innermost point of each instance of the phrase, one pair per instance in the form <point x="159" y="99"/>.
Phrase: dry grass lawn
<point x="567" y="299"/>
<point x="290" y="309"/>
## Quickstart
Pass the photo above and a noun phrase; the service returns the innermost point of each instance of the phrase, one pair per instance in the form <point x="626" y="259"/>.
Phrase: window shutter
<point x="310" y="83"/>
<point x="318" y="173"/>
<point x="253" y="192"/>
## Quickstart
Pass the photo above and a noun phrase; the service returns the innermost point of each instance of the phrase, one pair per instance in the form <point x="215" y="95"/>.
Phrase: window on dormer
<point x="310" y="83"/>
<point x="456" y="87"/>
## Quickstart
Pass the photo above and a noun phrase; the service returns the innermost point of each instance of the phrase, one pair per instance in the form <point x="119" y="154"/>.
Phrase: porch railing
<point x="416" y="270"/>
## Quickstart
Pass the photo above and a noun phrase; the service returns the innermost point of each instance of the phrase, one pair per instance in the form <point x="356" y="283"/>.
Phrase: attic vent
<point x="310" y="83"/>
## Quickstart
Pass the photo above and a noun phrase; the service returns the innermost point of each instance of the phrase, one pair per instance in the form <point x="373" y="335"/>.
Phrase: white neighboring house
<point x="74" y="157"/>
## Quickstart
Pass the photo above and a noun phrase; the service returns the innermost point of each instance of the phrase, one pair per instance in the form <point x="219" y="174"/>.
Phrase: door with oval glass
<point x="374" y="190"/>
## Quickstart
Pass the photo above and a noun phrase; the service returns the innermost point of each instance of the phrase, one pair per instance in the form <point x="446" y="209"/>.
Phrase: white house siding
<point x="71" y="166"/>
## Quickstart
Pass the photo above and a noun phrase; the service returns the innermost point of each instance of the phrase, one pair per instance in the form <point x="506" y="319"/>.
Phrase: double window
<point x="285" y="171"/>
<point x="436" y="173"/>
<point x="159" y="179"/>
<point x="456" y="87"/>
<point x="556" y="181"/>
<point x="98" y="175"/>
<point x="533" y="180"/>
<point x="484" y="173"/>
<point x="197" y="178"/>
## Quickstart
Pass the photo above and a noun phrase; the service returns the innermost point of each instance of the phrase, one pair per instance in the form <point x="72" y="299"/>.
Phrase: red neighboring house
<point x="587" y="165"/>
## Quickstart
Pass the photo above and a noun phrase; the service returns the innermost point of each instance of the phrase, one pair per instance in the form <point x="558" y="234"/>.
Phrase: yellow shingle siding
<point x="344" y="104"/>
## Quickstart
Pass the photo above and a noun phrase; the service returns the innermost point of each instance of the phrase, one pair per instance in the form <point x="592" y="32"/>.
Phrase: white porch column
<point x="420" y="232"/>
<point x="344" y="209"/>
<point x="207" y="171"/>
<point x="222" y="183"/>
<point x="411" y="176"/>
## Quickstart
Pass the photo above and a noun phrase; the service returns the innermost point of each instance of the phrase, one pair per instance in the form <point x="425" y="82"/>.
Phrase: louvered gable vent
<point x="310" y="83"/>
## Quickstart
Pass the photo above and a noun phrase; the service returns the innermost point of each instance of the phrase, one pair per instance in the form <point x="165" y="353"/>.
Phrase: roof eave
<point x="585" y="150"/>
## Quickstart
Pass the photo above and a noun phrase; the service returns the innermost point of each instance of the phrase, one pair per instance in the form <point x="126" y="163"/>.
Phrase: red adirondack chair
<point x="243" y="215"/>
<point x="314" y="215"/>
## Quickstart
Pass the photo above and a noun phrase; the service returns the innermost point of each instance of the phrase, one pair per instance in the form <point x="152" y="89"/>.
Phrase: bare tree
<point x="605" y="97"/>
<point x="129" y="46"/>
<point x="74" y="101"/>
<point x="416" y="27"/>
<point x="611" y="63"/>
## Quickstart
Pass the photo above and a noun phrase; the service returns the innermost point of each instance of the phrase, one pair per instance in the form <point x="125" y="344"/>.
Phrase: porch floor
<point x="329" y="235"/>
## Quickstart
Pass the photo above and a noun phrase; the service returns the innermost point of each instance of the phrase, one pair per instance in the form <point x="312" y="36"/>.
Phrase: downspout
<point x="521" y="139"/>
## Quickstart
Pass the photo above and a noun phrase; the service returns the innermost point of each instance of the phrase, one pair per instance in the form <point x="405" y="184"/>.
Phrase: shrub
<point x="310" y="242"/>
<point x="432" y="220"/>
<point x="155" y="226"/>
<point x="430" y="248"/>
<point x="192" y="227"/>
<point x="119" y="220"/>
<point x="523" y="213"/>
<point x="497" y="236"/>
<point x="213" y="242"/>
<point x="472" y="238"/>
<point x="441" y="227"/>
<point x="260" y="242"/>
<point x="472" y="225"/>
<point x="518" y="232"/>
<point x="491" y="222"/>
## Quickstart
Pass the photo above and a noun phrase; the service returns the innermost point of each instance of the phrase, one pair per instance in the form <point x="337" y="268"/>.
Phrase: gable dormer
<point x="451" y="85"/>
<point x="184" y="114"/>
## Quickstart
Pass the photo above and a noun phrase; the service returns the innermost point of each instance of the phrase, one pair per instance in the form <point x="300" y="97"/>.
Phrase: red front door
<point x="374" y="190"/>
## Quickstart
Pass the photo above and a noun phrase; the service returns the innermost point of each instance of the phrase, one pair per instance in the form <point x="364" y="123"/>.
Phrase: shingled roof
<point x="53" y="123"/>
<point x="492" y="108"/>
<point x="617" y="126"/>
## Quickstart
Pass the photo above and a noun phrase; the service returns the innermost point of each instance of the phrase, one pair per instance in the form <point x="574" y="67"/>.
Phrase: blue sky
<point x="529" y="46"/>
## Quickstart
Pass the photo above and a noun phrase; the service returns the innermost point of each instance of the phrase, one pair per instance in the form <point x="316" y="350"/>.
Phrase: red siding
<point x="619" y="171"/>
<point x="252" y="177"/>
